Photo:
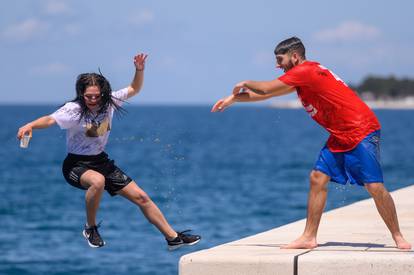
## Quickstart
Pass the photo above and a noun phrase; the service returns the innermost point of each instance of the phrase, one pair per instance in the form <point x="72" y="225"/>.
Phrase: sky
<point x="198" y="50"/>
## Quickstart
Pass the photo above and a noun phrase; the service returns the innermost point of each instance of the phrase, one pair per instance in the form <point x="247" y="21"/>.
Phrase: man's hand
<point x="239" y="86"/>
<point x="223" y="104"/>
<point x="139" y="61"/>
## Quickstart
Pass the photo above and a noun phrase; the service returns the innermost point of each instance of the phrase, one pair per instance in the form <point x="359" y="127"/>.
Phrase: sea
<point x="223" y="175"/>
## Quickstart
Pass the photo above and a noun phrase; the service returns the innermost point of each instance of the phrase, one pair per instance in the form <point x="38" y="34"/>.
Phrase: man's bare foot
<point x="301" y="243"/>
<point x="402" y="243"/>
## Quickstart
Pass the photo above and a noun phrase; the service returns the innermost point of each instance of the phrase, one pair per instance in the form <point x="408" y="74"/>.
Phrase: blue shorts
<point x="360" y="165"/>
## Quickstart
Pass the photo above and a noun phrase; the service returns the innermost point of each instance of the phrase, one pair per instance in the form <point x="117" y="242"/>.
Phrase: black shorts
<point x="75" y="165"/>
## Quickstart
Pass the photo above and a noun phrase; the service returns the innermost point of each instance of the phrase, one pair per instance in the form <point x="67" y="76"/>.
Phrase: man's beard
<point x="289" y="66"/>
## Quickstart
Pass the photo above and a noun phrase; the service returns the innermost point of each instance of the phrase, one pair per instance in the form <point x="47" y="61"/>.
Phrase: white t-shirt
<point x="88" y="136"/>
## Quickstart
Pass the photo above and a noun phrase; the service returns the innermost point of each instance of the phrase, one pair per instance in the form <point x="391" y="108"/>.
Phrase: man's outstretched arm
<point x="272" y="88"/>
<point x="250" y="91"/>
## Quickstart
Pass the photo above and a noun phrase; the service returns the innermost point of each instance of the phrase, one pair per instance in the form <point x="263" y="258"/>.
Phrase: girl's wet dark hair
<point x="93" y="79"/>
<point x="289" y="45"/>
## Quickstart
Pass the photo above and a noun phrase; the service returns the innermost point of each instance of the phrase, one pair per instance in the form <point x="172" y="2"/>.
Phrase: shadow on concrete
<point x="368" y="245"/>
<point x="262" y="245"/>
<point x="327" y="244"/>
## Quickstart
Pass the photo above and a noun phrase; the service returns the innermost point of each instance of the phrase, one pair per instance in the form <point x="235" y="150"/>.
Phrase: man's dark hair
<point x="290" y="45"/>
<point x="93" y="79"/>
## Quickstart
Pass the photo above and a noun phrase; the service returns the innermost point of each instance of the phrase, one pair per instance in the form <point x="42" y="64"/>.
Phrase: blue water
<point x="226" y="176"/>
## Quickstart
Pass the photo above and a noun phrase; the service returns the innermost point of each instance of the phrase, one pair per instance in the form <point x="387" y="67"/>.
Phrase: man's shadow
<point x="368" y="245"/>
<point x="327" y="244"/>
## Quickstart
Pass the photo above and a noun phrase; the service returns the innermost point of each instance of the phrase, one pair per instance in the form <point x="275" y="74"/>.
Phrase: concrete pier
<point x="352" y="240"/>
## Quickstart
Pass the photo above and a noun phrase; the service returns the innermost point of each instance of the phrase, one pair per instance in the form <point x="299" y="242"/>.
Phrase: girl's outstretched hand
<point x="26" y="129"/>
<point x="139" y="61"/>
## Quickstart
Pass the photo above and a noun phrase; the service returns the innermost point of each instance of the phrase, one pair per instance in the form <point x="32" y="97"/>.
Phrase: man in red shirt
<point x="351" y="153"/>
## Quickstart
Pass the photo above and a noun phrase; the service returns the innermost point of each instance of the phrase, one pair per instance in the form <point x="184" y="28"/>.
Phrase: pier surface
<point x="352" y="240"/>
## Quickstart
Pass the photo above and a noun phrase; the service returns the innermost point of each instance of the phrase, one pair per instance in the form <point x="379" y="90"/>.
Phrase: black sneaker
<point x="182" y="239"/>
<point x="91" y="234"/>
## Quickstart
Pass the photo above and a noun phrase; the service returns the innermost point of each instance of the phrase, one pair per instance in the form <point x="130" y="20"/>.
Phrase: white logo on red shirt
<point x="310" y="109"/>
<point x="333" y="74"/>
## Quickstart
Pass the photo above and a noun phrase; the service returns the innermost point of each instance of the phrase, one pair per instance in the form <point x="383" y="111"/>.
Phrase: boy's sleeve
<point x="67" y="116"/>
<point x="120" y="96"/>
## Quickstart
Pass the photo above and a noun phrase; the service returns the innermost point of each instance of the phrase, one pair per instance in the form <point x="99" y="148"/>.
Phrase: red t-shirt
<point x="332" y="104"/>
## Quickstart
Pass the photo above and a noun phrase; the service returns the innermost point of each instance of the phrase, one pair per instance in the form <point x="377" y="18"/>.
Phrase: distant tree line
<point x="375" y="87"/>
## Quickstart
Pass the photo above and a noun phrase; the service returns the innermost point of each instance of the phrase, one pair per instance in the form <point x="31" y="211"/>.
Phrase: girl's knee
<point x="142" y="199"/>
<point x="96" y="181"/>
